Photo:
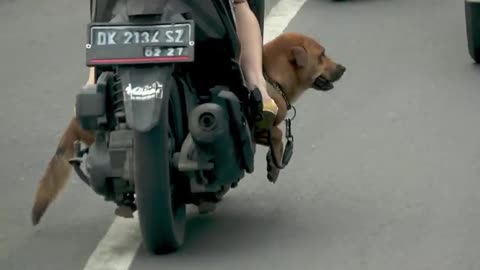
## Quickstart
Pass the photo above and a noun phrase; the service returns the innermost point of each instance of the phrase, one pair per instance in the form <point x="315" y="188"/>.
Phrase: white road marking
<point x="117" y="249"/>
<point x="280" y="16"/>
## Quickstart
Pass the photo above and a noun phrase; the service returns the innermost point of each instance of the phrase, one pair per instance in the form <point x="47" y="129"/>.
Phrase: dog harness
<point x="288" y="152"/>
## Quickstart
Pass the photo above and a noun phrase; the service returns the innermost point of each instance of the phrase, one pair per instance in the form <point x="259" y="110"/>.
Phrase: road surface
<point x="385" y="175"/>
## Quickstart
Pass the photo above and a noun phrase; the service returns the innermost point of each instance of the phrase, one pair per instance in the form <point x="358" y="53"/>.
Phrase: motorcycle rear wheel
<point x="162" y="214"/>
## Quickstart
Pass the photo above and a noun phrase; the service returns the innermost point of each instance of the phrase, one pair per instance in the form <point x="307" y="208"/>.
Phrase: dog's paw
<point x="272" y="176"/>
<point x="272" y="171"/>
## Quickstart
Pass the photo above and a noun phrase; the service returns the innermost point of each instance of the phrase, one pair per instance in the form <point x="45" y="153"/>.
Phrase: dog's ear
<point x="299" y="56"/>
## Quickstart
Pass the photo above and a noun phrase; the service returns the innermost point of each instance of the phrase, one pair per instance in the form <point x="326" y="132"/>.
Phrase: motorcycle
<point x="172" y="117"/>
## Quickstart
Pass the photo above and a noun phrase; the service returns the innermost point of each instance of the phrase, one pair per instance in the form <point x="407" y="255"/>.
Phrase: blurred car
<point x="472" y="17"/>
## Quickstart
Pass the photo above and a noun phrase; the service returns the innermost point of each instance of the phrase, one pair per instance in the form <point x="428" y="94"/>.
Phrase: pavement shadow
<point x="228" y="231"/>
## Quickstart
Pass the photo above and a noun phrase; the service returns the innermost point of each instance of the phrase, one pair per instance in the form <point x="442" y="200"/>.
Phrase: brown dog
<point x="293" y="61"/>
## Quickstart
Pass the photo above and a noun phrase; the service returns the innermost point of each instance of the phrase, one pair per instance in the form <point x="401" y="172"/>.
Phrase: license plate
<point x="117" y="44"/>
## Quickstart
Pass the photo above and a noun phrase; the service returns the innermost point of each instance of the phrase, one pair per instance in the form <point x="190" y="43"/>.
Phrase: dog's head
<point x="312" y="65"/>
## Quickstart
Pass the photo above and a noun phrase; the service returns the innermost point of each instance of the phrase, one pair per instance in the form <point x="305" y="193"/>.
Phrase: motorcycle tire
<point x="472" y="17"/>
<point x="162" y="214"/>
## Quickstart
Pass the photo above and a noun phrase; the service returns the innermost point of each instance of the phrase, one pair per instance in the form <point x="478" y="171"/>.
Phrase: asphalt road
<point x="386" y="172"/>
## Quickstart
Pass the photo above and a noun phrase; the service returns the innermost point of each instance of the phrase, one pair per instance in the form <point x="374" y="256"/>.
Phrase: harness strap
<point x="288" y="151"/>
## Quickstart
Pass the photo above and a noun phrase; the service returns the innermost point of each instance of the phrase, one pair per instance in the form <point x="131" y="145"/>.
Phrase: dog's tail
<point x="58" y="170"/>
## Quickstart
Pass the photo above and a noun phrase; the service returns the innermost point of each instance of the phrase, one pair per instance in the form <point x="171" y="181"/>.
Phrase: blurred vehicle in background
<point x="472" y="17"/>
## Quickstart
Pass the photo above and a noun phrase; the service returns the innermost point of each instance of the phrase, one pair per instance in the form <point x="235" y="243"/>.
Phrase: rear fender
<point x="146" y="88"/>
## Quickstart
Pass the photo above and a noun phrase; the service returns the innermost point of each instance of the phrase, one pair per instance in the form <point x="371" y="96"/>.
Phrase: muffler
<point x="208" y="126"/>
<point x="214" y="143"/>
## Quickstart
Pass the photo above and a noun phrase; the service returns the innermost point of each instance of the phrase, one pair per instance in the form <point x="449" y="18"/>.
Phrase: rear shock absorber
<point x="118" y="106"/>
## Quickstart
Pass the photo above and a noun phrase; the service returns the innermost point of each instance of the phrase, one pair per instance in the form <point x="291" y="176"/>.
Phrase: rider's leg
<point x="91" y="76"/>
<point x="250" y="38"/>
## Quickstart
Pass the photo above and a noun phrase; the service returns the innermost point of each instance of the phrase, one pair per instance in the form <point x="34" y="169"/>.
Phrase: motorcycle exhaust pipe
<point x="208" y="125"/>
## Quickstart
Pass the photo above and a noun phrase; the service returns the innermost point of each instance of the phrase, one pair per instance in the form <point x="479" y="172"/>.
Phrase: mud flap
<point x="145" y="90"/>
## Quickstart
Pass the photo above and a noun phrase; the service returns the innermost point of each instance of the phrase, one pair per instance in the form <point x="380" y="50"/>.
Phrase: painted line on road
<point x="279" y="17"/>
<point x="117" y="249"/>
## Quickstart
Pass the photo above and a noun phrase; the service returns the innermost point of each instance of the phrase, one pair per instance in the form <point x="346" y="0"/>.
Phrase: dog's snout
<point x="339" y="71"/>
